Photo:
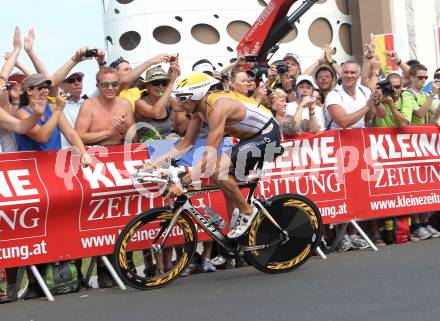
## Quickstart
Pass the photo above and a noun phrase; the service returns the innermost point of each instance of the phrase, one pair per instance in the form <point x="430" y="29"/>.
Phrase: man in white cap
<point x="308" y="116"/>
<point x="73" y="85"/>
<point x="293" y="64"/>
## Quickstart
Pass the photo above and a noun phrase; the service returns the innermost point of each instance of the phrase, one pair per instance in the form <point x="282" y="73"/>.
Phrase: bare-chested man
<point x="105" y="119"/>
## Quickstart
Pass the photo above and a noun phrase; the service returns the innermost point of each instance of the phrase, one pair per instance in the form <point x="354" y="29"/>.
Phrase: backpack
<point x="62" y="277"/>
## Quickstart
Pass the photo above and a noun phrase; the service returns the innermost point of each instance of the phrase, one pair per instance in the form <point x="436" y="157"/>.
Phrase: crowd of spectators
<point x="41" y="111"/>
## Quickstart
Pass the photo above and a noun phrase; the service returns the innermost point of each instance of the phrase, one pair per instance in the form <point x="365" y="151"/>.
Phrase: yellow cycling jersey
<point x="257" y="115"/>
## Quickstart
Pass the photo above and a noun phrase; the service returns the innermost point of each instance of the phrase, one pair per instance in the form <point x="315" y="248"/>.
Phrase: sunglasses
<point x="163" y="83"/>
<point x="422" y="77"/>
<point x="40" y="87"/>
<point x="397" y="86"/>
<point x="437" y="76"/>
<point x="183" y="97"/>
<point x="107" y="84"/>
<point x="73" y="79"/>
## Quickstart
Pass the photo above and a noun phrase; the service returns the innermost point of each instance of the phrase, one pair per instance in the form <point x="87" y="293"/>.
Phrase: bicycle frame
<point x="183" y="204"/>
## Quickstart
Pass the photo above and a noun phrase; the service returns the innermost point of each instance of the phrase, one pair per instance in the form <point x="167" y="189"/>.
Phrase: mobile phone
<point x="9" y="85"/>
<point x="91" y="53"/>
<point x="66" y="94"/>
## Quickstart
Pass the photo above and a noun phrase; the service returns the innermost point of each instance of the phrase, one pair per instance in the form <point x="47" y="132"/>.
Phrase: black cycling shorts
<point x="264" y="146"/>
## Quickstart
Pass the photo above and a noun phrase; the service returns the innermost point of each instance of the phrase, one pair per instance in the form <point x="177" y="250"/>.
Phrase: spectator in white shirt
<point x="351" y="105"/>
<point x="309" y="117"/>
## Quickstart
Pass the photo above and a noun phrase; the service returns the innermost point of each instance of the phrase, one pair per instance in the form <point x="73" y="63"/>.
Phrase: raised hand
<point x="174" y="68"/>
<point x="392" y="55"/>
<point x="328" y="53"/>
<point x="2" y="84"/>
<point x="79" y="55"/>
<point x="164" y="57"/>
<point x="29" y="40"/>
<point x="307" y="100"/>
<point x="272" y="73"/>
<point x="119" y="125"/>
<point x="101" y="56"/>
<point x="37" y="105"/>
<point x="370" y="49"/>
<point x="375" y="63"/>
<point x="436" y="87"/>
<point x="388" y="100"/>
<point x="241" y="61"/>
<point x="17" y="39"/>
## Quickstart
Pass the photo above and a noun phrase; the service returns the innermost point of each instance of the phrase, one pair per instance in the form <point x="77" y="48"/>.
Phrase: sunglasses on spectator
<point x="40" y="87"/>
<point x="107" y="84"/>
<point x="183" y="97"/>
<point x="73" y="79"/>
<point x="156" y="83"/>
<point x="422" y="77"/>
<point x="437" y="76"/>
<point x="397" y="86"/>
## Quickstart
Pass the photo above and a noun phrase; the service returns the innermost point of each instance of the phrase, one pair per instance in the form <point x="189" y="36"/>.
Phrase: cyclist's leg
<point x="228" y="184"/>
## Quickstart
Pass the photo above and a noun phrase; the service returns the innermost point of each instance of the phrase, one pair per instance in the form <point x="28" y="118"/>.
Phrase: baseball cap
<point x="293" y="56"/>
<point x="17" y="77"/>
<point x="155" y="73"/>
<point x="307" y="78"/>
<point x="203" y="65"/>
<point x="74" y="73"/>
<point x="34" y="80"/>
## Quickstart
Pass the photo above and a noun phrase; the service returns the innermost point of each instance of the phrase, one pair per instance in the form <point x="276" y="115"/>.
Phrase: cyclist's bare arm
<point x="216" y="123"/>
<point x="186" y="142"/>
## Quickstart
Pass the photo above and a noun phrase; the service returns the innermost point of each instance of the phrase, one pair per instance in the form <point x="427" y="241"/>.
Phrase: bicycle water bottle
<point x="216" y="219"/>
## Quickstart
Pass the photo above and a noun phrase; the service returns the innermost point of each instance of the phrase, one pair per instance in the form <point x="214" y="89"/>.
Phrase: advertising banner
<point x="51" y="209"/>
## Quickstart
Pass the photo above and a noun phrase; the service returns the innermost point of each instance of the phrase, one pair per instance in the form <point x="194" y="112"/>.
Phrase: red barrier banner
<point x="51" y="209"/>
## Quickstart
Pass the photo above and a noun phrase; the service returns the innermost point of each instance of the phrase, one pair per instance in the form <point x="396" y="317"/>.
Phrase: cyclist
<point x="226" y="113"/>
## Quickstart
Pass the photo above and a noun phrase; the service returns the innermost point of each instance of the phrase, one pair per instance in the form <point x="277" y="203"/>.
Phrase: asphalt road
<point x="400" y="282"/>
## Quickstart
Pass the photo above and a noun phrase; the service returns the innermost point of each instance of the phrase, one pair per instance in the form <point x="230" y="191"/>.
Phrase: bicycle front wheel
<point x="142" y="262"/>
<point x="295" y="214"/>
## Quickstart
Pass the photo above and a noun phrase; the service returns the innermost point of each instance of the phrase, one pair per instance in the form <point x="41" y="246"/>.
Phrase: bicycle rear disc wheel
<point x="300" y="218"/>
<point x="141" y="263"/>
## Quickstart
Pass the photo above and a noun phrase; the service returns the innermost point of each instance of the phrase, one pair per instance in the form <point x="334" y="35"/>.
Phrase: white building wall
<point x="143" y="16"/>
<point x="418" y="25"/>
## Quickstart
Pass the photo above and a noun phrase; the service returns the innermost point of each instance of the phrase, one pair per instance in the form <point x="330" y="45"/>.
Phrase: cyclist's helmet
<point x="193" y="86"/>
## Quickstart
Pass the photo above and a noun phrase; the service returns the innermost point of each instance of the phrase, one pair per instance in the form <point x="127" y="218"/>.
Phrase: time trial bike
<point x="283" y="235"/>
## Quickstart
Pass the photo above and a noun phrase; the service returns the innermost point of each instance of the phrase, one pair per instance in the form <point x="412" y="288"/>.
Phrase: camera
<point x="9" y="85"/>
<point x="91" y="53"/>
<point x="282" y="68"/>
<point x="66" y="95"/>
<point x="385" y="87"/>
<point x="225" y="76"/>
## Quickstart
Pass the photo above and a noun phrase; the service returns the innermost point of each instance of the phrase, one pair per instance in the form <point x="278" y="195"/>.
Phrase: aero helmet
<point x="193" y="86"/>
